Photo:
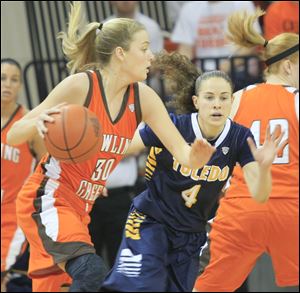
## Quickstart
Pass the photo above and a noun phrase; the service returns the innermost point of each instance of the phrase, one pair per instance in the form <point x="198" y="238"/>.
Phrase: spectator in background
<point x="109" y="214"/>
<point x="173" y="10"/>
<point x="281" y="16"/>
<point x="200" y="33"/>
<point x="129" y="9"/>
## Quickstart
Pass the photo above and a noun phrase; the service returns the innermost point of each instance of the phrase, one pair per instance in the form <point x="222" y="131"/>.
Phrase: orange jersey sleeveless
<point x="277" y="105"/>
<point x="17" y="162"/>
<point x="86" y="180"/>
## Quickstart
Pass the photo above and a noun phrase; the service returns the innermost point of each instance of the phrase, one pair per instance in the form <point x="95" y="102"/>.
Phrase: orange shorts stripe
<point x="53" y="228"/>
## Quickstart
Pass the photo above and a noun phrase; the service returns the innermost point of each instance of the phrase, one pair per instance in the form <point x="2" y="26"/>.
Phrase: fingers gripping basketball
<point x="75" y="135"/>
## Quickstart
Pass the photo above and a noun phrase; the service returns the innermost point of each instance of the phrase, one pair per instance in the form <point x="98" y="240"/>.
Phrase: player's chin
<point x="217" y="122"/>
<point x="142" y="77"/>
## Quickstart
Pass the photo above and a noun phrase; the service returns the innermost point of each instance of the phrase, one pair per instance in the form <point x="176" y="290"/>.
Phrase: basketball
<point x="74" y="136"/>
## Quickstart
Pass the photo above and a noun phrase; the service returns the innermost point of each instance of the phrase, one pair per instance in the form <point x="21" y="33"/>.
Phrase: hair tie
<point x="282" y="55"/>
<point x="266" y="43"/>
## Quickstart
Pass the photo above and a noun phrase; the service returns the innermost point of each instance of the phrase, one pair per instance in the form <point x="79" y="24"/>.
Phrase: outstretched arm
<point x="136" y="145"/>
<point x="258" y="174"/>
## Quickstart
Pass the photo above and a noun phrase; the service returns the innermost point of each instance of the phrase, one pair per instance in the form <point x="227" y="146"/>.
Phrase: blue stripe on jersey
<point x="180" y="197"/>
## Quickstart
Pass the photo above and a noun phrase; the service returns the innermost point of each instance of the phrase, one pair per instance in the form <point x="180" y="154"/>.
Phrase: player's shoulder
<point x="291" y="89"/>
<point x="146" y="91"/>
<point x="76" y="81"/>
<point x="75" y="87"/>
<point x="182" y="121"/>
<point x="239" y="129"/>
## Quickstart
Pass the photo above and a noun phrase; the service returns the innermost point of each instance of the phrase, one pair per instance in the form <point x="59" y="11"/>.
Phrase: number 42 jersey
<point x="180" y="197"/>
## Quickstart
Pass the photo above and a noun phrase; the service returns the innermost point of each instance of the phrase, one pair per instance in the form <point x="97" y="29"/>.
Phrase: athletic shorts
<point x="154" y="258"/>
<point x="241" y="232"/>
<point x="55" y="229"/>
<point x="13" y="242"/>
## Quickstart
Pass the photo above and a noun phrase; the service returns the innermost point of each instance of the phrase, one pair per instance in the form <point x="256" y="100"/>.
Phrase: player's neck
<point x="209" y="132"/>
<point x="7" y="109"/>
<point x="278" y="79"/>
<point x="114" y="83"/>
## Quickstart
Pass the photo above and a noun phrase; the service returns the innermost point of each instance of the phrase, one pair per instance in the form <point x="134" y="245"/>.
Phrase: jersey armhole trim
<point x="90" y="91"/>
<point x="11" y="117"/>
<point x="137" y="103"/>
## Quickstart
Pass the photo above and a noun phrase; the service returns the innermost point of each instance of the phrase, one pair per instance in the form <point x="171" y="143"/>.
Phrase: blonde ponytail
<point x="91" y="45"/>
<point x="241" y="29"/>
<point x="78" y="43"/>
<point x="242" y="33"/>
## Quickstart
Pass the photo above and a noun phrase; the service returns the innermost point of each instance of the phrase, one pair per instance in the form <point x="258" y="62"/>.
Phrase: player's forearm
<point x="182" y="154"/>
<point x="21" y="131"/>
<point x="262" y="185"/>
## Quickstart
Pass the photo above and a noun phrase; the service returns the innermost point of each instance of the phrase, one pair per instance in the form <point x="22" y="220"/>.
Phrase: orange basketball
<point x="74" y="136"/>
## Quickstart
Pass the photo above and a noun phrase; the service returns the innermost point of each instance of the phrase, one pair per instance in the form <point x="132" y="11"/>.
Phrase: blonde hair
<point x="91" y="45"/>
<point x="242" y="33"/>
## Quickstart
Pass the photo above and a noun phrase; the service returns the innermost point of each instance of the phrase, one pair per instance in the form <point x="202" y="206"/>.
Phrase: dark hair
<point x="15" y="63"/>
<point x="181" y="74"/>
<point x="185" y="78"/>
<point x="210" y="74"/>
<point x="12" y="62"/>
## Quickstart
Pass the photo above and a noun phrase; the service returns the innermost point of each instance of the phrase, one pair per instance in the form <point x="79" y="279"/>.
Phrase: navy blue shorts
<point x="154" y="258"/>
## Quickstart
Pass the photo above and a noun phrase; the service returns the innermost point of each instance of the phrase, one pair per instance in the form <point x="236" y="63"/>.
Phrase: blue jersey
<point x="180" y="197"/>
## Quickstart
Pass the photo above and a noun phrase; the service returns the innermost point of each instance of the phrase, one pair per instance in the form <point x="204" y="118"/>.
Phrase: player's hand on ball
<point x="46" y="116"/>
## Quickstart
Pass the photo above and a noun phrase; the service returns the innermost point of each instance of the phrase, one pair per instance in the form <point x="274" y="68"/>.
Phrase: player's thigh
<point x="283" y="243"/>
<point x="142" y="257"/>
<point x="230" y="246"/>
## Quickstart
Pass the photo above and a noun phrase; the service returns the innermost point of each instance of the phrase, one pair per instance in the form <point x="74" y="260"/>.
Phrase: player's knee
<point x="87" y="271"/>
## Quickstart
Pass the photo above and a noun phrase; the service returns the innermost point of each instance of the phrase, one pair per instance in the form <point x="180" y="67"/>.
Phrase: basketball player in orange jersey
<point x="54" y="204"/>
<point x="16" y="163"/>
<point x="243" y="229"/>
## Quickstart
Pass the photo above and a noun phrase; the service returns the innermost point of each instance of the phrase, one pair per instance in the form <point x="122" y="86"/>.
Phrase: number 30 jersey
<point x="180" y="197"/>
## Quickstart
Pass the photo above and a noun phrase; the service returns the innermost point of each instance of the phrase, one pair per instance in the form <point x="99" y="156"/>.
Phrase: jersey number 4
<point x="190" y="195"/>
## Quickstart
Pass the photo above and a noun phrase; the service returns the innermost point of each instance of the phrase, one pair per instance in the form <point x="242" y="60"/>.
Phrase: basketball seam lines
<point x="65" y="137"/>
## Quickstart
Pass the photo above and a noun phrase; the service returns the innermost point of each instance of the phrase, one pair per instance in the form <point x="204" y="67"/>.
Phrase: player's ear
<point x="287" y="66"/>
<point x="195" y="101"/>
<point x="120" y="53"/>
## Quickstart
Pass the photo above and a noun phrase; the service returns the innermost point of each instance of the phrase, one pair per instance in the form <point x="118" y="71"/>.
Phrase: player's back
<point x="275" y="104"/>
